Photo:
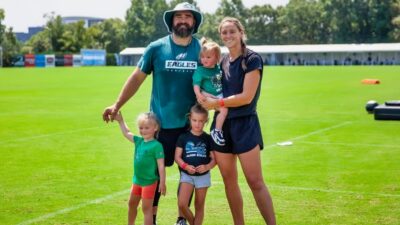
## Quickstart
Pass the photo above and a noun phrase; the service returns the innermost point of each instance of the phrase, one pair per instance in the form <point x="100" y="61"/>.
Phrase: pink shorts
<point x="146" y="192"/>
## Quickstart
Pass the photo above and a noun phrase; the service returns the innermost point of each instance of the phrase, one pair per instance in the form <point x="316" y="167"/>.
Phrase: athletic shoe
<point x="181" y="222"/>
<point x="218" y="137"/>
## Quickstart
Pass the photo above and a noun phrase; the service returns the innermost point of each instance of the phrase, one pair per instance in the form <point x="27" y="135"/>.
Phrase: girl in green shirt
<point x="148" y="165"/>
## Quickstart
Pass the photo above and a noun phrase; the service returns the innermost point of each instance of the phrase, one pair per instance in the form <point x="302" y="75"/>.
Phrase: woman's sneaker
<point x="218" y="137"/>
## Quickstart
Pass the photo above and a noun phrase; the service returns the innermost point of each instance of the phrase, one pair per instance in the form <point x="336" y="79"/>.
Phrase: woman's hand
<point x="200" y="98"/>
<point x="209" y="103"/>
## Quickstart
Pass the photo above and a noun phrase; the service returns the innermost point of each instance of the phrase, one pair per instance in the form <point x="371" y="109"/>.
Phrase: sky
<point x="21" y="14"/>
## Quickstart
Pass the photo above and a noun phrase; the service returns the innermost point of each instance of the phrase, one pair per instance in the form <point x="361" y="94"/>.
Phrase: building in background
<point x="22" y="36"/>
<point x="89" y="21"/>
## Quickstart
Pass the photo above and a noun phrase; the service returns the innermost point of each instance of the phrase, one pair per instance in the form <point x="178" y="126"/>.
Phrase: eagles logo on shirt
<point x="181" y="66"/>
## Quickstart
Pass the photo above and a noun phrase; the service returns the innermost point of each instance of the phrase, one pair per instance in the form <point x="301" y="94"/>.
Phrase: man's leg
<point x="168" y="138"/>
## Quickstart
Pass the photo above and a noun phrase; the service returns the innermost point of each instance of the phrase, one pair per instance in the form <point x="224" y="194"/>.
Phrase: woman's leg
<point x="185" y="194"/>
<point x="227" y="166"/>
<point x="132" y="208"/>
<point x="251" y="165"/>
<point x="199" y="201"/>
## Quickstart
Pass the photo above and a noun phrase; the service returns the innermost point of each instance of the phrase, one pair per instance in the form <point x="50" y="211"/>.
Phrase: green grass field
<point x="61" y="164"/>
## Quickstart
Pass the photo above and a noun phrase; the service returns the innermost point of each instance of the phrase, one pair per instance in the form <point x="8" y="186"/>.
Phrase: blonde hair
<point x="208" y="45"/>
<point x="148" y="117"/>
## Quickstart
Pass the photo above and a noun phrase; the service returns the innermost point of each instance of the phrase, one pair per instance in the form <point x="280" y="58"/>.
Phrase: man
<point x="172" y="60"/>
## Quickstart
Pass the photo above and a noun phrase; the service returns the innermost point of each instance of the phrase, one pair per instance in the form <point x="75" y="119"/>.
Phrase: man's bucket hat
<point x="184" y="6"/>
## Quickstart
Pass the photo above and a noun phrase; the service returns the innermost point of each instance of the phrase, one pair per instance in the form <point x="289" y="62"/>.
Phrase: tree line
<point x="298" y="22"/>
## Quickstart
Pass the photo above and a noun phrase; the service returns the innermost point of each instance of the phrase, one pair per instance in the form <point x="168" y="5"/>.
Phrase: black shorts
<point x="168" y="138"/>
<point x="241" y="134"/>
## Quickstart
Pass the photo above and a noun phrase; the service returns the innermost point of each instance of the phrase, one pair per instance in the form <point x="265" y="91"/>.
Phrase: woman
<point x="242" y="72"/>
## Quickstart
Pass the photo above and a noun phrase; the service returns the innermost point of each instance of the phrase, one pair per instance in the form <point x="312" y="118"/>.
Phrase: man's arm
<point x="129" y="89"/>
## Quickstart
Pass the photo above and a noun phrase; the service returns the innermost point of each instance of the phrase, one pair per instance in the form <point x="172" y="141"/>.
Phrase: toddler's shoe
<point x="218" y="137"/>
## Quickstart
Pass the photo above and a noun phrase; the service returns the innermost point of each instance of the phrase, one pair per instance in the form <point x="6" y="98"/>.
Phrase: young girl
<point x="195" y="159"/>
<point x="207" y="83"/>
<point x="148" y="158"/>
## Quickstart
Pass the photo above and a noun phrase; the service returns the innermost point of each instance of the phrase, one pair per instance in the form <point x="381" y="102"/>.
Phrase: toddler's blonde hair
<point x="208" y="45"/>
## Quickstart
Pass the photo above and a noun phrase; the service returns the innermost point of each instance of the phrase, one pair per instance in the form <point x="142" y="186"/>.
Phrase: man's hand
<point x="110" y="113"/>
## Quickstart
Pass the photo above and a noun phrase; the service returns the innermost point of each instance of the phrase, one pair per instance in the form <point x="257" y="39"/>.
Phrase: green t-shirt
<point x="172" y="67"/>
<point x="145" y="161"/>
<point x="208" y="79"/>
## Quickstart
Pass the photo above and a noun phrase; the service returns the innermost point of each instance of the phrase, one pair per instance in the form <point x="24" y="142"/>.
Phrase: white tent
<point x="322" y="54"/>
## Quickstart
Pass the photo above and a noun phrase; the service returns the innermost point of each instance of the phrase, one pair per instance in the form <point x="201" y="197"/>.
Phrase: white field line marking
<point x="350" y="144"/>
<point x="312" y="133"/>
<point x="67" y="210"/>
<point x="51" y="134"/>
<point x="320" y="131"/>
<point x="218" y="182"/>
<point x="76" y="207"/>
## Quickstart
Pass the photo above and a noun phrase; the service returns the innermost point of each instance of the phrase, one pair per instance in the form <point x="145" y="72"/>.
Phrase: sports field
<point x="61" y="164"/>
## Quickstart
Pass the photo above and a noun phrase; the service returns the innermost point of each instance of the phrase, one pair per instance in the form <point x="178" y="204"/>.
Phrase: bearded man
<point x="172" y="60"/>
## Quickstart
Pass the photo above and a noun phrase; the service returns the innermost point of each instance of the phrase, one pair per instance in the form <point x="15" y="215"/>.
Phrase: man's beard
<point x="182" y="30"/>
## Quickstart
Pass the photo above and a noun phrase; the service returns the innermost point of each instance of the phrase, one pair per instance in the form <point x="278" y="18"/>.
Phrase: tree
<point x="108" y="35"/>
<point x="39" y="43"/>
<point x="139" y="29"/>
<point x="303" y="22"/>
<point x="10" y="47"/>
<point x="74" y="38"/>
<point x="262" y="25"/>
<point x="55" y="30"/>
<point x="2" y="27"/>
<point x="159" y="7"/>
<point x="8" y="42"/>
<point x="381" y="15"/>
<point x="395" y="32"/>
<point x="209" y="29"/>
<point x="232" y="8"/>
